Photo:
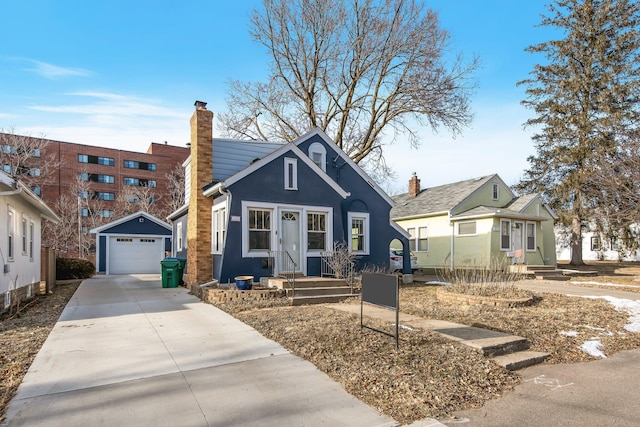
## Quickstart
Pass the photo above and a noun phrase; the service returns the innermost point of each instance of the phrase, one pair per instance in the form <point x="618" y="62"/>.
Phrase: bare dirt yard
<point x="427" y="376"/>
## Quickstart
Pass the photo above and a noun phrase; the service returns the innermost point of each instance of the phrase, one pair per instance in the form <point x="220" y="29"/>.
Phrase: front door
<point x="518" y="236"/>
<point x="290" y="241"/>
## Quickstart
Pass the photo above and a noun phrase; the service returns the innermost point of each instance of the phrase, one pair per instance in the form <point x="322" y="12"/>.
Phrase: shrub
<point x="74" y="268"/>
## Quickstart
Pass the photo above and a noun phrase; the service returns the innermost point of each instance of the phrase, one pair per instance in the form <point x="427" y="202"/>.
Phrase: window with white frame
<point x="318" y="154"/>
<point x="531" y="236"/>
<point x="10" y="234"/>
<point x="412" y="238"/>
<point x="179" y="241"/>
<point x="505" y="235"/>
<point x="467" y="228"/>
<point x="494" y="193"/>
<point x="316" y="231"/>
<point x="219" y="227"/>
<point x="423" y="239"/>
<point x="359" y="241"/>
<point x="290" y="174"/>
<point x="23" y="230"/>
<point x="595" y="244"/>
<point x="31" y="232"/>
<point x="259" y="223"/>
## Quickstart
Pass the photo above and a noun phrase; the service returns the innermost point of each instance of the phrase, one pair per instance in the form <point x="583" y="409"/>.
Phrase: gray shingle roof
<point x="232" y="156"/>
<point x="436" y="199"/>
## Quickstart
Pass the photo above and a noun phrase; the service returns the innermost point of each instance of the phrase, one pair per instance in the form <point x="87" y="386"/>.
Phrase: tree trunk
<point x="576" y="241"/>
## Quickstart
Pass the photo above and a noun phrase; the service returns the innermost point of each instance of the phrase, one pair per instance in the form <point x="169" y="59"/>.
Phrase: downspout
<point x="227" y="193"/>
<point x="451" y="244"/>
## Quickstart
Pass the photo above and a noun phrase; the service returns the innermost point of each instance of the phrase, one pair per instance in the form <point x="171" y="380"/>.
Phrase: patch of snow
<point x="569" y="333"/>
<point x="433" y="282"/>
<point x="613" y="285"/>
<point x="632" y="308"/>
<point x="592" y="347"/>
<point x="405" y="327"/>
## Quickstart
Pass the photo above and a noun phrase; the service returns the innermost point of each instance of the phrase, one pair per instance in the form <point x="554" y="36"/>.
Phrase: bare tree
<point x="63" y="236"/>
<point x="26" y="158"/>
<point x="175" y="186"/>
<point x="355" y="69"/>
<point x="138" y="198"/>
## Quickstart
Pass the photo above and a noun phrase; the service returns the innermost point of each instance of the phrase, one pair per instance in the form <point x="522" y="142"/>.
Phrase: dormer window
<point x="318" y="154"/>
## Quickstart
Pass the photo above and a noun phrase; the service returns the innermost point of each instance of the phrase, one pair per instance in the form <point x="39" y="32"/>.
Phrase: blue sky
<point x="123" y="74"/>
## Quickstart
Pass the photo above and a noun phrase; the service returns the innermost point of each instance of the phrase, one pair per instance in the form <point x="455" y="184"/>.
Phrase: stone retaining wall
<point x="215" y="295"/>
<point x="452" y="297"/>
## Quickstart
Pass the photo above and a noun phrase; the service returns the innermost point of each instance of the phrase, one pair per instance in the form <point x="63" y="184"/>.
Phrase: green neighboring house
<point x="475" y="223"/>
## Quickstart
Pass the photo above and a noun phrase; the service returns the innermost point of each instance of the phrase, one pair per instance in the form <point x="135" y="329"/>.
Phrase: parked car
<point x="395" y="260"/>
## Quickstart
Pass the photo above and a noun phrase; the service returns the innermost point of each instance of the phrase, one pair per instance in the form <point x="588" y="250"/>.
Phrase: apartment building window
<point x="133" y="164"/>
<point x="93" y="177"/>
<point x="96" y="160"/>
<point x="139" y="182"/>
<point x="104" y="196"/>
<point x="36" y="190"/>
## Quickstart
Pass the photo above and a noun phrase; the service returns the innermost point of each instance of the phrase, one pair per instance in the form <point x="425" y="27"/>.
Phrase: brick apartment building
<point x="107" y="171"/>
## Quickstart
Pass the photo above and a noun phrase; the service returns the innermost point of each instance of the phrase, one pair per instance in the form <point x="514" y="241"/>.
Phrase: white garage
<point x="134" y="244"/>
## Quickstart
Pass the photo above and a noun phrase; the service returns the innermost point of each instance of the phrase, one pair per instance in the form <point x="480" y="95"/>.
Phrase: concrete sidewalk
<point x="125" y="351"/>
<point x="568" y="288"/>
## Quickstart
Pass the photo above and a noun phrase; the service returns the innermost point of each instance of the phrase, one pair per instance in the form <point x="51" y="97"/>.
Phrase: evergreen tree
<point x="585" y="98"/>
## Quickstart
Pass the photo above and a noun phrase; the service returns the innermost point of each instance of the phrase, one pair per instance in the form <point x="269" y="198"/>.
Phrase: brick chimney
<point x="414" y="185"/>
<point x="199" y="258"/>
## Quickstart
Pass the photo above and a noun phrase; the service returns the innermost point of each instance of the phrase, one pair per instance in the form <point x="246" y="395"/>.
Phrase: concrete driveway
<point x="126" y="351"/>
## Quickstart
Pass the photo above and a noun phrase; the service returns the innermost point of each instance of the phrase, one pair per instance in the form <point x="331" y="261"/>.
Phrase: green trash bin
<point x="171" y="272"/>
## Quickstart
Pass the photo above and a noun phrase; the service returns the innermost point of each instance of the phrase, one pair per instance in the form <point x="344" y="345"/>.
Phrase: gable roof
<point x="440" y="199"/>
<point x="17" y="188"/>
<point x="348" y="160"/>
<point x="268" y="159"/>
<point x="129" y="218"/>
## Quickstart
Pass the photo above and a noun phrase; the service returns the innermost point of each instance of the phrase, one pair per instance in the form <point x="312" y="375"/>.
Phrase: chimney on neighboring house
<point x="414" y="185"/>
<point x="199" y="260"/>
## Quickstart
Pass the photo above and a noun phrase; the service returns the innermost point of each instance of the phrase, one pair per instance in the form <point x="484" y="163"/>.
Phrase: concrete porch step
<point x="317" y="291"/>
<point x="307" y="282"/>
<point x="521" y="359"/>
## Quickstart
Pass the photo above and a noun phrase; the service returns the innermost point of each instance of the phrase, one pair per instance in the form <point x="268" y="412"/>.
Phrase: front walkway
<point x="126" y="351"/>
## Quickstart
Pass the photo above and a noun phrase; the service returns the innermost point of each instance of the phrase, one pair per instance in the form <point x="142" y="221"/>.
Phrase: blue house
<point x="257" y="208"/>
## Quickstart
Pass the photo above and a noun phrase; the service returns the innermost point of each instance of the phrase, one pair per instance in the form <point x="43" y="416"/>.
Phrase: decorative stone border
<point x="215" y="295"/>
<point x="452" y="297"/>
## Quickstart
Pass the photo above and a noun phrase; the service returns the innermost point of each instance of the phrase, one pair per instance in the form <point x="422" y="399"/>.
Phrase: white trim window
<point x="31" y="234"/>
<point x="318" y="155"/>
<point x="531" y="236"/>
<point x="359" y="232"/>
<point x="494" y="191"/>
<point x="412" y="238"/>
<point x="423" y="239"/>
<point x="179" y="237"/>
<point x="218" y="228"/>
<point x="467" y="228"/>
<point x="317" y="231"/>
<point x="24" y="235"/>
<point x="259" y="230"/>
<point x="505" y="235"/>
<point x="11" y="232"/>
<point x="290" y="174"/>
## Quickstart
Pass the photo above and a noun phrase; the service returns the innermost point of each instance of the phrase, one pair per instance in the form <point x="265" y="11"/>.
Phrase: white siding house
<point x="21" y="214"/>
